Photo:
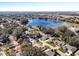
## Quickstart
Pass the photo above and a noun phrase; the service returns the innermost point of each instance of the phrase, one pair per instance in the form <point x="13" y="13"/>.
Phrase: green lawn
<point x="51" y="43"/>
<point x="62" y="50"/>
<point x="46" y="46"/>
<point x="61" y="38"/>
<point x="40" y="43"/>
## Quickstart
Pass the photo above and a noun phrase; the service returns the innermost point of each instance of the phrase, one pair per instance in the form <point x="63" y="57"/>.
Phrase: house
<point x="70" y="48"/>
<point x="1" y="25"/>
<point x="38" y="45"/>
<point x="49" y="52"/>
<point x="77" y="53"/>
<point x="59" y="43"/>
<point x="32" y="41"/>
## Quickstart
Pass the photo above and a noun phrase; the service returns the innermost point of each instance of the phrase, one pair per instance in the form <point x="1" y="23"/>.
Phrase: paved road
<point x="57" y="48"/>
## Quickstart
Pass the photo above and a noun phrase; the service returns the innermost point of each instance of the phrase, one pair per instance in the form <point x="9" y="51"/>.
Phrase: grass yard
<point x="51" y="43"/>
<point x="62" y="50"/>
<point x="40" y="43"/>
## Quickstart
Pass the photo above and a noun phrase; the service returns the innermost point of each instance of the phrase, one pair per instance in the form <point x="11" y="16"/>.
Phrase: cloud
<point x="41" y="8"/>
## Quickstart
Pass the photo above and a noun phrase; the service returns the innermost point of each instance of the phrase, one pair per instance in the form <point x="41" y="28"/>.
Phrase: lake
<point x="44" y="23"/>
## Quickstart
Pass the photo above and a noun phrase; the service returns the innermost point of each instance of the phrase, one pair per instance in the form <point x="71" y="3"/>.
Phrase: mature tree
<point x="66" y="32"/>
<point x="28" y="50"/>
<point x="74" y="41"/>
<point x="17" y="32"/>
<point x="24" y="22"/>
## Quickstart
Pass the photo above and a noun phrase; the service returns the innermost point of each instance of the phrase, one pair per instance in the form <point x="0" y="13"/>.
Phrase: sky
<point x="39" y="6"/>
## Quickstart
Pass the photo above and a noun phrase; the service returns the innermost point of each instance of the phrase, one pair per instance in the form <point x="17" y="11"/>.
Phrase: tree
<point x="28" y="50"/>
<point x="24" y="22"/>
<point x="74" y="41"/>
<point x="17" y="32"/>
<point x="66" y="32"/>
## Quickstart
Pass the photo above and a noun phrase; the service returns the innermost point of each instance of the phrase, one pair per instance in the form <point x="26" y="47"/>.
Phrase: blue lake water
<point x="45" y="23"/>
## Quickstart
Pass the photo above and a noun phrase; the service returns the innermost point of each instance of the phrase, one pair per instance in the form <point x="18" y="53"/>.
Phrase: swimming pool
<point x="44" y="23"/>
